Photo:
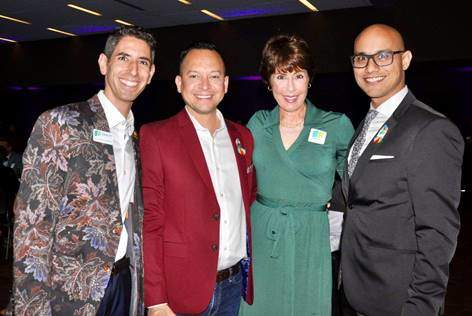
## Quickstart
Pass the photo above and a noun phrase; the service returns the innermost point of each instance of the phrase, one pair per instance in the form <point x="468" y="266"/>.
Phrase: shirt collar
<point x="114" y="117"/>
<point x="313" y="115"/>
<point x="388" y="107"/>
<point x="200" y="127"/>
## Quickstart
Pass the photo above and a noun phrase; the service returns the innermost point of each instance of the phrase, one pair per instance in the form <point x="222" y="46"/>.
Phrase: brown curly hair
<point x="286" y="53"/>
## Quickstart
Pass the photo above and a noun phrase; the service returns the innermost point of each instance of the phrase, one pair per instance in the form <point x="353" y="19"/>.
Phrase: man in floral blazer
<point x="78" y="214"/>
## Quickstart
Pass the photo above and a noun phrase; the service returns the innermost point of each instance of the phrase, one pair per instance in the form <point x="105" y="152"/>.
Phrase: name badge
<point x="317" y="136"/>
<point x="102" y="137"/>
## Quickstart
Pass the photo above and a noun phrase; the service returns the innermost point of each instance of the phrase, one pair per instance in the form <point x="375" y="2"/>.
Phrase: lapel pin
<point x="381" y="134"/>
<point x="241" y="149"/>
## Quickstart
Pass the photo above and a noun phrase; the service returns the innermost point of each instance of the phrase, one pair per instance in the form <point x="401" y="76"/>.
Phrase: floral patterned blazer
<point x="67" y="217"/>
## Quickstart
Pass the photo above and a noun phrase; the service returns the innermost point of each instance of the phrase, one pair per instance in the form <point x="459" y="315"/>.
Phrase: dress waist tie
<point x="282" y="221"/>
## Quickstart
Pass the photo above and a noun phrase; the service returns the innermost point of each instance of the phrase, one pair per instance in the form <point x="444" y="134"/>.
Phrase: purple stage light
<point x="249" y="78"/>
<point x="463" y="69"/>
<point x="15" y="88"/>
<point x="91" y="29"/>
<point x="248" y="12"/>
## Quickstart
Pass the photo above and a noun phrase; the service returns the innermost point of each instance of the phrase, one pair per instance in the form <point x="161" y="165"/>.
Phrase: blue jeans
<point x="226" y="297"/>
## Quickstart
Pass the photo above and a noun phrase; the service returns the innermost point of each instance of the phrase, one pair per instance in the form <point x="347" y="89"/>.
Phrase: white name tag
<point x="102" y="137"/>
<point x="317" y="136"/>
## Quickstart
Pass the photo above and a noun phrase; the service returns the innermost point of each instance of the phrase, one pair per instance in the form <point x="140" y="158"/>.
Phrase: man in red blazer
<point x="198" y="184"/>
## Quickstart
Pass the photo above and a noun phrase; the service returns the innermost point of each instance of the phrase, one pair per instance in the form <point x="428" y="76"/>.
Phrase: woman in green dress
<point x="298" y="149"/>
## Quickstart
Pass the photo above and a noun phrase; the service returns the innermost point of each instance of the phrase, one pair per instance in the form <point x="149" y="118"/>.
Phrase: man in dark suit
<point x="402" y="187"/>
<point x="78" y="214"/>
<point x="198" y="184"/>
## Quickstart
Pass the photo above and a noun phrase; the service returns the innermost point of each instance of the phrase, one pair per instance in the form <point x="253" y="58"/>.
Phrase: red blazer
<point x="181" y="213"/>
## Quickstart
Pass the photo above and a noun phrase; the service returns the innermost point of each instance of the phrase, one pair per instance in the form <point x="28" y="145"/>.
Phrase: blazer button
<point x="214" y="247"/>
<point x="216" y="216"/>
<point x="117" y="229"/>
<point x="106" y="268"/>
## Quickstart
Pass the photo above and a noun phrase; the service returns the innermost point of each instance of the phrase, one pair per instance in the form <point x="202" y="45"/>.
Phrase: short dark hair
<point x="286" y="53"/>
<point x="199" y="45"/>
<point x="133" y="31"/>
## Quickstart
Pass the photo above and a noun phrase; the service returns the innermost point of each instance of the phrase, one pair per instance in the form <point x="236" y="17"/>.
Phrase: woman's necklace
<point x="291" y="125"/>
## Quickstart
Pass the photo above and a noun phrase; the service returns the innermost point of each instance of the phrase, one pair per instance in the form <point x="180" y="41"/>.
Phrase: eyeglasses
<point x="381" y="59"/>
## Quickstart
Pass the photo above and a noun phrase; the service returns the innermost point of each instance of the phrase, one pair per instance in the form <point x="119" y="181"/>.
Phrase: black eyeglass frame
<point x="373" y="55"/>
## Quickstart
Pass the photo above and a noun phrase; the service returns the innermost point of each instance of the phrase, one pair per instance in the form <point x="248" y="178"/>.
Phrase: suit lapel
<point x="240" y="158"/>
<point x="136" y="206"/>
<point x="372" y="148"/>
<point x="192" y="144"/>
<point x="99" y="121"/>
<point x="97" y="114"/>
<point x="135" y="209"/>
<point x="345" y="181"/>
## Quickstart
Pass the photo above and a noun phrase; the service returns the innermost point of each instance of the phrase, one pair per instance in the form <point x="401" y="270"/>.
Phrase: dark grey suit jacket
<point x="402" y="222"/>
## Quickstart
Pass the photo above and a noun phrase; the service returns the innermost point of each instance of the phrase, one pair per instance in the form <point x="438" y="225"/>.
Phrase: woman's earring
<point x="309" y="85"/>
<point x="269" y="88"/>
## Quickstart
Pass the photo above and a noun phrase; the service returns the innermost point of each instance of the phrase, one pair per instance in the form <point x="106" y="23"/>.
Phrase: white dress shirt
<point x="385" y="110"/>
<point x="221" y="161"/>
<point x="121" y="128"/>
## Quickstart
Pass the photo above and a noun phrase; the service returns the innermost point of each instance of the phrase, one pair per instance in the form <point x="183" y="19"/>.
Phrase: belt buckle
<point x="227" y="273"/>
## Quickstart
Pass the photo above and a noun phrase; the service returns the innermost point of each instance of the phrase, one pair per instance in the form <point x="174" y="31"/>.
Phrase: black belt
<point x="226" y="273"/>
<point x="120" y="265"/>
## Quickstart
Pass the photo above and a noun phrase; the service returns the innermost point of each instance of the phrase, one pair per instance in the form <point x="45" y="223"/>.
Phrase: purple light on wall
<point x="29" y="88"/>
<point x="463" y="69"/>
<point x="249" y="78"/>
<point x="15" y="88"/>
<point x="249" y="12"/>
<point x="91" y="29"/>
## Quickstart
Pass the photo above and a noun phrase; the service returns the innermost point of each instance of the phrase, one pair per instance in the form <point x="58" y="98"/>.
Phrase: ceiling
<point x="43" y="14"/>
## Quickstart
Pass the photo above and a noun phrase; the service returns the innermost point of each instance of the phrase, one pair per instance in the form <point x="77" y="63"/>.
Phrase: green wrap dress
<point x="290" y="229"/>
